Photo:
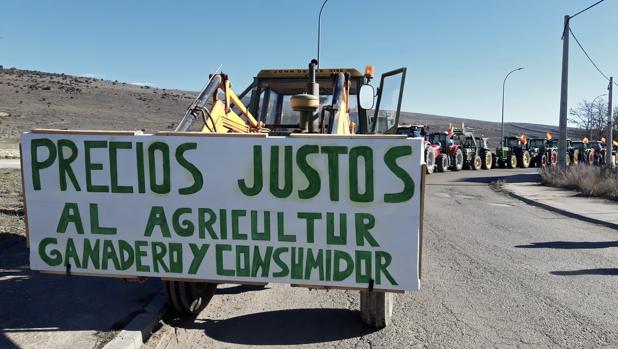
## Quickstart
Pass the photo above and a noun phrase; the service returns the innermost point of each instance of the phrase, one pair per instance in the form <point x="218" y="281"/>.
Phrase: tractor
<point x="474" y="150"/>
<point x="513" y="153"/>
<point x="282" y="102"/>
<point x="431" y="152"/>
<point x="552" y="152"/>
<point x="450" y="154"/>
<point x="537" y="148"/>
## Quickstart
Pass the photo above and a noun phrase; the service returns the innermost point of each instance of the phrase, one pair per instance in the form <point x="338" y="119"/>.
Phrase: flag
<point x="450" y="130"/>
<point x="549" y="135"/>
<point x="523" y="139"/>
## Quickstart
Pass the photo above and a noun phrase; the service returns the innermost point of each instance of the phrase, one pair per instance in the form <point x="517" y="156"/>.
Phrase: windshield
<point x="273" y="105"/>
<point x="512" y="143"/>
<point x="536" y="143"/>
<point x="438" y="138"/>
<point x="413" y="132"/>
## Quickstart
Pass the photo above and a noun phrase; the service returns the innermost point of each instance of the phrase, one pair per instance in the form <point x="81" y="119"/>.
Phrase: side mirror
<point x="365" y="96"/>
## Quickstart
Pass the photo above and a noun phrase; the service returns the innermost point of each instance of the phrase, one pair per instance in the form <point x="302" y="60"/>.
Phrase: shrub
<point x="589" y="180"/>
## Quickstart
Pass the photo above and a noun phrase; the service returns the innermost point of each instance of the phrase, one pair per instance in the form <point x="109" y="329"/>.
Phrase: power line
<point x="588" y="56"/>
<point x="588" y="8"/>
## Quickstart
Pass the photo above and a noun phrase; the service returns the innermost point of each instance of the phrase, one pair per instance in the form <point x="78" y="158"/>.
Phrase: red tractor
<point x="449" y="150"/>
<point x="431" y="151"/>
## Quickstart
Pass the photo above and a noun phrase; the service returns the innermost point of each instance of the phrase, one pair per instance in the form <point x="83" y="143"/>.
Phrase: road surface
<point x="496" y="273"/>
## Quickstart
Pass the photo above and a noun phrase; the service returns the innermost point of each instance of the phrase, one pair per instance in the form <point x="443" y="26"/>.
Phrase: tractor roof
<point x="304" y="73"/>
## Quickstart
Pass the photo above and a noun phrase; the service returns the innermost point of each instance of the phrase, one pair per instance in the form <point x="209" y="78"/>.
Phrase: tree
<point x="590" y="116"/>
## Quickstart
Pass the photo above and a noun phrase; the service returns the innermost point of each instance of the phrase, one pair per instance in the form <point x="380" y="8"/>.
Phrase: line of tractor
<point x="459" y="148"/>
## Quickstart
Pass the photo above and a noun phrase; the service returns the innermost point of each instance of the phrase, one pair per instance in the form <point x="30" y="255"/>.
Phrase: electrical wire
<point x="587" y="8"/>
<point x="588" y="56"/>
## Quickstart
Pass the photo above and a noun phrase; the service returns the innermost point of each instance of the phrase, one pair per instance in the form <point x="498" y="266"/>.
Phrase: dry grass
<point x="589" y="180"/>
<point x="11" y="206"/>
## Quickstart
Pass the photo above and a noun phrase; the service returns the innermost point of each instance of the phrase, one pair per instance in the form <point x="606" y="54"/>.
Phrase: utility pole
<point x="564" y="93"/>
<point x="610" y="127"/>
<point x="503" y="84"/>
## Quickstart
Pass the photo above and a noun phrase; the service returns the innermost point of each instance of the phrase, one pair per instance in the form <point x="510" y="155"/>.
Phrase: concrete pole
<point x="564" y="93"/>
<point x="610" y="126"/>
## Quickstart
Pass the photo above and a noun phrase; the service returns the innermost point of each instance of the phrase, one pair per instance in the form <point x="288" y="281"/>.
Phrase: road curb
<point x="560" y="211"/>
<point x="137" y="332"/>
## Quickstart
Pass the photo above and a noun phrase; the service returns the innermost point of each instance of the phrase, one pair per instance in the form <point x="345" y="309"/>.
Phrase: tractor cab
<point x="341" y="92"/>
<point x="413" y="131"/>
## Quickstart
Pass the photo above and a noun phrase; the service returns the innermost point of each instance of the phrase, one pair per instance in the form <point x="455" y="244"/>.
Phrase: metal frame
<point x="401" y="71"/>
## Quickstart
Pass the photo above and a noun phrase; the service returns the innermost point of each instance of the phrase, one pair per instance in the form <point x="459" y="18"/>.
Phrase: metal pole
<point x="564" y="91"/>
<point x="503" y="84"/>
<point x="319" y="29"/>
<point x="610" y="127"/>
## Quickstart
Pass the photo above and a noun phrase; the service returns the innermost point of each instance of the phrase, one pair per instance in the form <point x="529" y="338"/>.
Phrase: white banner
<point x="340" y="212"/>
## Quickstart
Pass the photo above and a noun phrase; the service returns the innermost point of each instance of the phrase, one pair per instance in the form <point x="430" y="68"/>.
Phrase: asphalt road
<point x="496" y="273"/>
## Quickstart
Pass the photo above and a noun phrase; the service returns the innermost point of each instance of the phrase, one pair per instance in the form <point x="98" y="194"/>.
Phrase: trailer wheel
<point x="488" y="161"/>
<point x="442" y="162"/>
<point x="512" y="161"/>
<point x="376" y="308"/>
<point x="477" y="163"/>
<point x="458" y="160"/>
<point x="189" y="298"/>
<point x="430" y="159"/>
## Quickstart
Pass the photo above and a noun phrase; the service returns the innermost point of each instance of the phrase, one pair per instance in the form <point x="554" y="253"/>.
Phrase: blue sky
<point x="457" y="52"/>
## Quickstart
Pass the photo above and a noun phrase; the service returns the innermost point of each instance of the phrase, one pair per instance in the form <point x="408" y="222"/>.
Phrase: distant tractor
<point x="537" y="147"/>
<point x="513" y="153"/>
<point x="552" y="152"/>
<point x="450" y="153"/>
<point x="475" y="153"/>
<point x="579" y="151"/>
<point x="420" y="131"/>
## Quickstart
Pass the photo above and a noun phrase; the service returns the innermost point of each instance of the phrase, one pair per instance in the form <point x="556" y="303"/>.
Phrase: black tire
<point x="511" y="161"/>
<point x="477" y="163"/>
<point x="523" y="160"/>
<point x="554" y="158"/>
<point x="543" y="160"/>
<point x="442" y="163"/>
<point x="458" y="160"/>
<point x="189" y="298"/>
<point x="488" y="160"/>
<point x="430" y="159"/>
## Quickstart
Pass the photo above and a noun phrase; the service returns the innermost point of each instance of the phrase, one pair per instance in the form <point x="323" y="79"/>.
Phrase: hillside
<point x="43" y="100"/>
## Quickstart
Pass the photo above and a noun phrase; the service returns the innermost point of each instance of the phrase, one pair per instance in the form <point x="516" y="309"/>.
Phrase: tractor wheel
<point x="554" y="158"/>
<point x="576" y="156"/>
<point x="591" y="157"/>
<point x="488" y="160"/>
<point x="458" y="160"/>
<point x="442" y="163"/>
<point x="543" y="161"/>
<point x="430" y="159"/>
<point x="567" y="160"/>
<point x="511" y="161"/>
<point x="524" y="160"/>
<point x="494" y="161"/>
<point x="477" y="163"/>
<point x="189" y="298"/>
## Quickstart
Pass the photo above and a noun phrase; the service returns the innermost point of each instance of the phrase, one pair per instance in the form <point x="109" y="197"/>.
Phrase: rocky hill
<point x="31" y="99"/>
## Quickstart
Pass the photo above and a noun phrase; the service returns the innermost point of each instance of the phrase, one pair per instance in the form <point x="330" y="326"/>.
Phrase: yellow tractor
<point x="336" y="101"/>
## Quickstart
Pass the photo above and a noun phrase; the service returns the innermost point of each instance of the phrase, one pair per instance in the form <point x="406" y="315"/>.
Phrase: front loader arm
<point x="218" y="116"/>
